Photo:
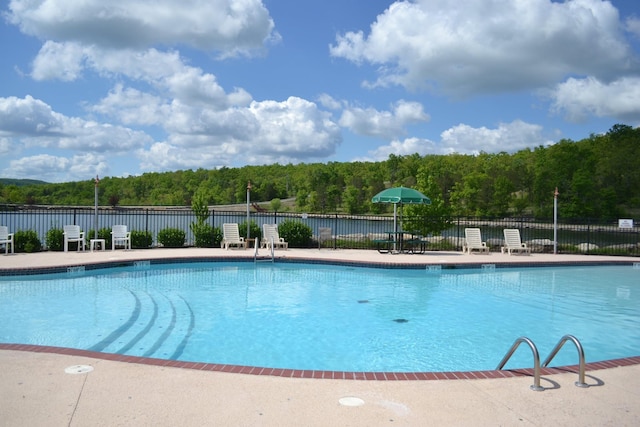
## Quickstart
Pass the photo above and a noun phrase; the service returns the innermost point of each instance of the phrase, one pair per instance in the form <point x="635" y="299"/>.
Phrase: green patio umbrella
<point x="400" y="195"/>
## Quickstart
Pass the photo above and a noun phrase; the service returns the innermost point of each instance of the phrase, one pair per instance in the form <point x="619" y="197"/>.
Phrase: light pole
<point x="555" y="221"/>
<point x="95" y="212"/>
<point x="248" y="216"/>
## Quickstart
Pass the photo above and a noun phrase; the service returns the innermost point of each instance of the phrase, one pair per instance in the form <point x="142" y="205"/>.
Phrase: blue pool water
<point x="319" y="317"/>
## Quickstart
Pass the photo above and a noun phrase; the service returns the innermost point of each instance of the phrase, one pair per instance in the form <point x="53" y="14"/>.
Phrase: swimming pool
<point x="320" y="317"/>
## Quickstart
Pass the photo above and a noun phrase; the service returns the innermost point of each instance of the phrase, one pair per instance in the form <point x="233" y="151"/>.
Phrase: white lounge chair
<point x="473" y="241"/>
<point x="512" y="242"/>
<point x="231" y="236"/>
<point x="72" y="233"/>
<point x="270" y="235"/>
<point x="6" y="239"/>
<point x="120" y="237"/>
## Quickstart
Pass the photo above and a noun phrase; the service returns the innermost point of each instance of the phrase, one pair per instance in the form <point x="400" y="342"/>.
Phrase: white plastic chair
<point x="271" y="235"/>
<point x="6" y="239"/>
<point x="512" y="242"/>
<point x="72" y="233"/>
<point x="120" y="237"/>
<point x="231" y="236"/>
<point x="473" y="241"/>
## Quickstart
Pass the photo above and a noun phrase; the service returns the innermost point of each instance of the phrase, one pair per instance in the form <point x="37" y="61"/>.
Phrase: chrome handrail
<point x="536" y="361"/>
<point x="556" y="349"/>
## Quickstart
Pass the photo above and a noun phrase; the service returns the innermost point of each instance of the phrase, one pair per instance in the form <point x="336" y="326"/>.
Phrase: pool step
<point x="158" y="326"/>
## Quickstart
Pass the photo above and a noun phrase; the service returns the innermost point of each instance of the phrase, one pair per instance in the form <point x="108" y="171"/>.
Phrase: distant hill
<point x="21" y="182"/>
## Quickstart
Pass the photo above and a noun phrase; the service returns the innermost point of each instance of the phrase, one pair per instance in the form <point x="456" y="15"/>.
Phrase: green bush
<point x="141" y="239"/>
<point x="55" y="239"/>
<point x="171" y="237"/>
<point x="206" y="235"/>
<point x="27" y="241"/>
<point x="103" y="233"/>
<point x="296" y="233"/>
<point x="256" y="231"/>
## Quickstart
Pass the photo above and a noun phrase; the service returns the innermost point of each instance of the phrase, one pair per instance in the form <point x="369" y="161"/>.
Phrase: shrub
<point x="296" y="233"/>
<point x="205" y="235"/>
<point x="141" y="239"/>
<point x="256" y="231"/>
<point x="103" y="233"/>
<point x="171" y="237"/>
<point x="55" y="239"/>
<point x="202" y="231"/>
<point x="27" y="241"/>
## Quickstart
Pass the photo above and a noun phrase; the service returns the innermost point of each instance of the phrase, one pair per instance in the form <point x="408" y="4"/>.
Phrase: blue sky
<point x="124" y="87"/>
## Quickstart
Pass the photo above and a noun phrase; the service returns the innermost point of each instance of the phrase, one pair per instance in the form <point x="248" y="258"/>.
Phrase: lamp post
<point x="95" y="211"/>
<point x="555" y="221"/>
<point x="248" y="216"/>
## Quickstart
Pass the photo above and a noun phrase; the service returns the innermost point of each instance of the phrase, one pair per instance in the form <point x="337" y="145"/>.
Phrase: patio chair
<point x="324" y="234"/>
<point x="6" y="239"/>
<point x="231" y="237"/>
<point x="120" y="237"/>
<point x="473" y="241"/>
<point x="72" y="233"/>
<point x="270" y="235"/>
<point x="512" y="242"/>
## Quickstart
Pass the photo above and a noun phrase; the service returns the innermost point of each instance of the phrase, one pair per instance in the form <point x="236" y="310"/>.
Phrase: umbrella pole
<point x="395" y="226"/>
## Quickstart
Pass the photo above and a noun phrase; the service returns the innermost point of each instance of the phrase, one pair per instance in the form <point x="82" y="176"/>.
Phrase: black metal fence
<point x="348" y="231"/>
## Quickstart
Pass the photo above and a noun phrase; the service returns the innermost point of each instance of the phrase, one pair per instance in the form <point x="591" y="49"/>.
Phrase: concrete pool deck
<point x="36" y="390"/>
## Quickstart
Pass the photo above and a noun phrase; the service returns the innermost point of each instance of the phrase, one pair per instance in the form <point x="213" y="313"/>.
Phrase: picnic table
<point x="412" y="245"/>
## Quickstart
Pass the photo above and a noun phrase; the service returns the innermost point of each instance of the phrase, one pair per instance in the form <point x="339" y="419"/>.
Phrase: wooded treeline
<point x="597" y="177"/>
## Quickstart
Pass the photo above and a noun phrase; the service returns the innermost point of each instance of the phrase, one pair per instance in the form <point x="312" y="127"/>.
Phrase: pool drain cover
<point x="351" y="401"/>
<point x="78" y="369"/>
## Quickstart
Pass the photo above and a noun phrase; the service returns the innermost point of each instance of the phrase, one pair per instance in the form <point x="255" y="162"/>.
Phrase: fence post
<point x="336" y="232"/>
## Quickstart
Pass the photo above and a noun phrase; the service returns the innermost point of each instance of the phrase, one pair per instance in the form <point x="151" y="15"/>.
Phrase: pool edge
<point x="313" y="374"/>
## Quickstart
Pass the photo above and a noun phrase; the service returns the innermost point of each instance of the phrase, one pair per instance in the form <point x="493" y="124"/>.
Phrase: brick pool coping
<point x="335" y="375"/>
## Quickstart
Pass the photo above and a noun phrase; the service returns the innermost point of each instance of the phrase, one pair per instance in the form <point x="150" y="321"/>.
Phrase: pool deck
<point x="36" y="390"/>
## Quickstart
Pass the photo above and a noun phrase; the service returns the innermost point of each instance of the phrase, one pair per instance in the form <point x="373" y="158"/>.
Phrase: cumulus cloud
<point x="266" y="132"/>
<point x="29" y="123"/>
<point x="468" y="47"/>
<point x="383" y="124"/>
<point x="577" y="99"/>
<point x="33" y="123"/>
<point x="327" y="101"/>
<point x="55" y="168"/>
<point x="402" y="148"/>
<point x="227" y="26"/>
<point x="464" y="139"/>
<point x="632" y="25"/>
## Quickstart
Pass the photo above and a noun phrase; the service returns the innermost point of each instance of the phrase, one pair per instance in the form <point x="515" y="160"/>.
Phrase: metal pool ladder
<point x="255" y="252"/>
<point x="536" y="359"/>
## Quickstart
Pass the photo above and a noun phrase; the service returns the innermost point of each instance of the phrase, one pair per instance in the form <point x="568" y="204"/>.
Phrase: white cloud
<point x="465" y="47"/>
<point x="227" y="26"/>
<point x="32" y="123"/>
<point x="83" y="146"/>
<point x="632" y="25"/>
<point x="579" y="98"/>
<point x="61" y="61"/>
<point x="5" y="146"/>
<point x="56" y="169"/>
<point x="266" y="132"/>
<point x="402" y="148"/>
<point x="508" y="137"/>
<point x="132" y="106"/>
<point x="383" y="124"/>
<point x="464" y="139"/>
<point x="327" y="101"/>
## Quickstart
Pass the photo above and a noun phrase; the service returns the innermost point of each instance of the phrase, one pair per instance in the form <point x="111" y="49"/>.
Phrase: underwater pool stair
<point x="159" y="325"/>
<point x="536" y="359"/>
